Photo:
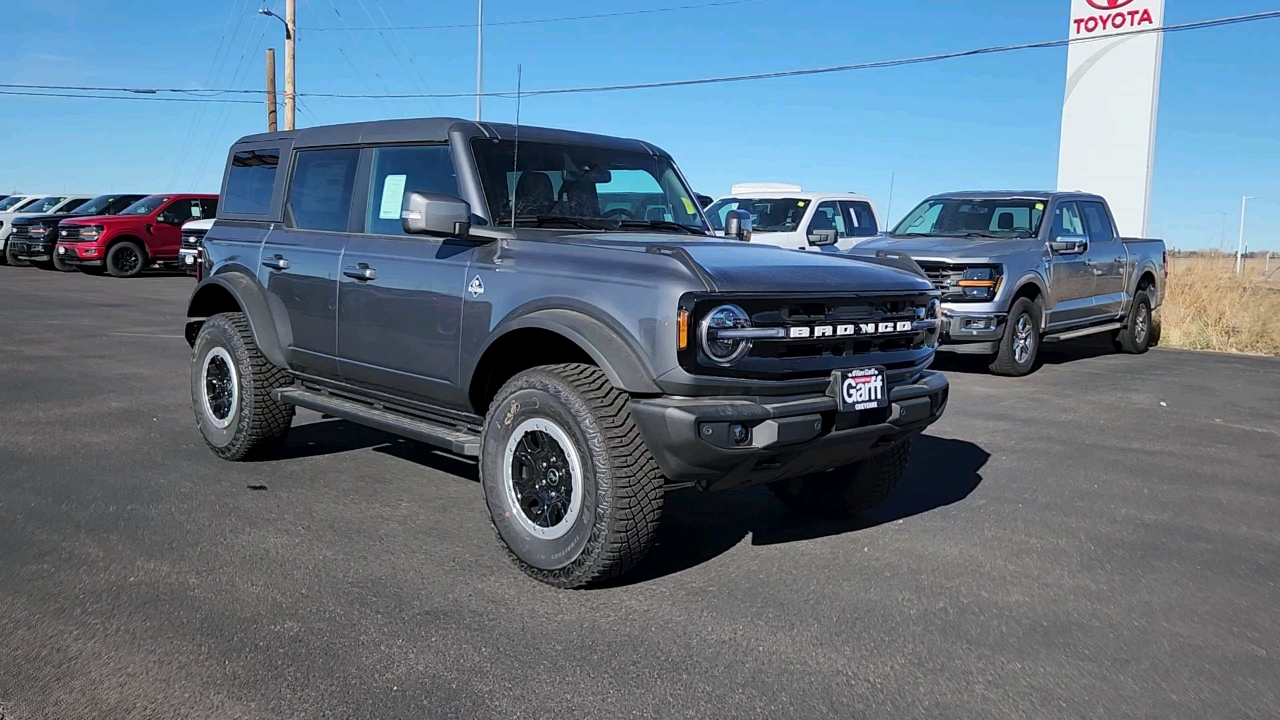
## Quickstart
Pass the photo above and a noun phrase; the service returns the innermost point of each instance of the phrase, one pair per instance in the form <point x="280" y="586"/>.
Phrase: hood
<point x="930" y="247"/>
<point x="55" y="218"/>
<point x="202" y="225"/>
<point x="734" y="266"/>
<point x="105" y="219"/>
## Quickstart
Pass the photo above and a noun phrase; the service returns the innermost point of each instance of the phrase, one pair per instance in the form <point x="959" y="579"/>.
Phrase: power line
<point x="144" y="98"/>
<point x="148" y="93"/>
<point x="569" y="18"/>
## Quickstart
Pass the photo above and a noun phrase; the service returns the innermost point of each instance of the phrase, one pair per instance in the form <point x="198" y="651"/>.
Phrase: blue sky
<point x="988" y="122"/>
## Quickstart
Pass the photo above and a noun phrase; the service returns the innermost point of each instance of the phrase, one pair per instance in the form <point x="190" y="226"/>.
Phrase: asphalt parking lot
<point x="1101" y="540"/>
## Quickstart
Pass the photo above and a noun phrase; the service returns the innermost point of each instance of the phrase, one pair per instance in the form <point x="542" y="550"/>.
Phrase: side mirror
<point x="1069" y="245"/>
<point x="435" y="214"/>
<point x="819" y="238"/>
<point x="165" y="218"/>
<point x="704" y="201"/>
<point x="737" y="224"/>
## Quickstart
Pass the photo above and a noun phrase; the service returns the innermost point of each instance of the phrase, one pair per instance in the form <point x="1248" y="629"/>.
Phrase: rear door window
<point x="1097" y="222"/>
<point x="860" y="219"/>
<point x="321" y="188"/>
<point x="251" y="181"/>
<point x="400" y="170"/>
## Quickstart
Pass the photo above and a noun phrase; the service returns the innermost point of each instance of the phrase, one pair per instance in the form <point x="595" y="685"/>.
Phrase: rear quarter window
<point x="251" y="182"/>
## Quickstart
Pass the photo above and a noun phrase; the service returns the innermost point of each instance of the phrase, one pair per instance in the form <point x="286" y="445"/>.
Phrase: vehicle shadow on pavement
<point x="1058" y="353"/>
<point x="699" y="526"/>
<point x="332" y="436"/>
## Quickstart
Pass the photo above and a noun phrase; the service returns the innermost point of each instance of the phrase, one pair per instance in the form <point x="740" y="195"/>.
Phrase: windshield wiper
<point x="542" y="220"/>
<point x="661" y="225"/>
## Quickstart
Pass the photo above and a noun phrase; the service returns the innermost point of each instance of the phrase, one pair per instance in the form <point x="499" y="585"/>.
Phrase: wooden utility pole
<point x="290" y="84"/>
<point x="271" y="90"/>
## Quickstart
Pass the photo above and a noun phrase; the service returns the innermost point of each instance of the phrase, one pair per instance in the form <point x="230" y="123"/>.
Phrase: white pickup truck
<point x="789" y="217"/>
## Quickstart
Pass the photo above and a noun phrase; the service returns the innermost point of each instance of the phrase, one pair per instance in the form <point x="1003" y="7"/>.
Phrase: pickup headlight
<point x="724" y="319"/>
<point x="980" y="283"/>
<point x="91" y="233"/>
<point x="38" y="231"/>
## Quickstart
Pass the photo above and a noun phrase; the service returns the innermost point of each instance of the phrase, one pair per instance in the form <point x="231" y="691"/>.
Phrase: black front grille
<point x="69" y="234"/>
<point x="21" y="232"/>
<point x="944" y="276"/>
<point x="849" y="336"/>
<point x="192" y="239"/>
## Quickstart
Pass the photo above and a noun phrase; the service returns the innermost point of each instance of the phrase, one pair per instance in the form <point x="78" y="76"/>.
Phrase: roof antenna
<point x="515" y="162"/>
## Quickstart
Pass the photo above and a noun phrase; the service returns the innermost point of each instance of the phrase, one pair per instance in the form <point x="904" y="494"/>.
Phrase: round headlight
<point x="724" y="351"/>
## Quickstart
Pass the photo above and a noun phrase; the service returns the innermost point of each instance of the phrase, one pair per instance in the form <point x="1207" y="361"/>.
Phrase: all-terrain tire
<point x="253" y="424"/>
<point x="619" y="485"/>
<point x="1136" y="335"/>
<point x="126" y="259"/>
<point x="1014" y="358"/>
<point x="847" y="491"/>
<point x="12" y="259"/>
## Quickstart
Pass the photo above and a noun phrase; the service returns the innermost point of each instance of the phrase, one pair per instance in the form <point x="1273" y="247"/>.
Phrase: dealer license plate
<point x="860" y="389"/>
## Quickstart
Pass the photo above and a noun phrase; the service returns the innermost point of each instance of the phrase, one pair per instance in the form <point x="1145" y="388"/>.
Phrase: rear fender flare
<point x="268" y="321"/>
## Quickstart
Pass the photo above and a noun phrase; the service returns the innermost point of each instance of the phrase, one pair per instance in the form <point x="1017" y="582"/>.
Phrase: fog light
<point x="739" y="435"/>
<point x="977" y="324"/>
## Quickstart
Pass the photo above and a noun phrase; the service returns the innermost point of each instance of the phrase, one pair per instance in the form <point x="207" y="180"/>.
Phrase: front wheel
<point x="848" y="491"/>
<point x="573" y="493"/>
<point x="61" y="265"/>
<point x="231" y="385"/>
<point x="11" y="258"/>
<point x="125" y="259"/>
<point x="1135" y="338"/>
<point x="1021" y="341"/>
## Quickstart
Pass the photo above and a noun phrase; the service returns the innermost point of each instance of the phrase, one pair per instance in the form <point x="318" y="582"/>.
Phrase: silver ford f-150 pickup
<point x="1020" y="268"/>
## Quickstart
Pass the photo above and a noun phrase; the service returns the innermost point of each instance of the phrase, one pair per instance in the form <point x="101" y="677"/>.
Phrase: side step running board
<point x="455" y="440"/>
<point x="1082" y="332"/>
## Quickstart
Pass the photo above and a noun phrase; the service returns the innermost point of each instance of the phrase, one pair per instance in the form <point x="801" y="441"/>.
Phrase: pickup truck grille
<point x="69" y="234"/>
<point x="21" y="232"/>
<point x="795" y="357"/>
<point x="944" y="276"/>
<point x="192" y="239"/>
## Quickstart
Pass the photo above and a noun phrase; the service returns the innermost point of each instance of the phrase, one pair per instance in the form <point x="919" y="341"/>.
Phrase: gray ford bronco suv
<point x="554" y="304"/>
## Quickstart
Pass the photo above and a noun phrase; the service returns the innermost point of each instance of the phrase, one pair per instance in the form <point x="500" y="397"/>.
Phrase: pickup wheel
<point x="61" y="265"/>
<point x="125" y="259"/>
<point x="12" y="259"/>
<point x="1135" y="338"/>
<point x="572" y="491"/>
<point x="231" y="384"/>
<point x="847" y="491"/>
<point x="1021" y="341"/>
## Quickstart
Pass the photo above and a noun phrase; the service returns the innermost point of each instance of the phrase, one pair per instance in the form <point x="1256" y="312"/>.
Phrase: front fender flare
<point x="620" y="360"/>
<point x="270" y="326"/>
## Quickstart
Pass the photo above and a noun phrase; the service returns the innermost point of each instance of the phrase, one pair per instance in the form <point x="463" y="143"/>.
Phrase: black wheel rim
<point x="541" y="477"/>
<point x="219" y="388"/>
<point x="127" y="260"/>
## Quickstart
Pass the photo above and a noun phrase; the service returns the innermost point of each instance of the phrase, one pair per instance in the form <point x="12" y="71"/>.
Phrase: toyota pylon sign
<point x="1113" y="94"/>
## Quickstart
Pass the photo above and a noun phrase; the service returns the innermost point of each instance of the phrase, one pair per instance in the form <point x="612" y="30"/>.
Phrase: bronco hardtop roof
<point x="440" y="129"/>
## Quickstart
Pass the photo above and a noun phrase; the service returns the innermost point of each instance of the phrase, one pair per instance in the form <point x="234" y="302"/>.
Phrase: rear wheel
<point x="572" y="491"/>
<point x="231" y="385"/>
<point x="1135" y="337"/>
<point x="125" y="259"/>
<point x="1021" y="341"/>
<point x="847" y="491"/>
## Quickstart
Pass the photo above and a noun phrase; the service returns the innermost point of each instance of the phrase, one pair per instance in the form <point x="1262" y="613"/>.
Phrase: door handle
<point x="361" y="272"/>
<point x="279" y="262"/>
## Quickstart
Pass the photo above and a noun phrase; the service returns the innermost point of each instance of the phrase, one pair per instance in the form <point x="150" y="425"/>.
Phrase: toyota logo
<point x="1108" y="4"/>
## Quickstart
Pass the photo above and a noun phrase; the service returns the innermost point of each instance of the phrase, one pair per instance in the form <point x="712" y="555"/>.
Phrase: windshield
<point x="45" y="204"/>
<point x="100" y="205"/>
<point x="583" y="186"/>
<point x="11" y="202"/>
<point x="962" y="217"/>
<point x="770" y="215"/>
<point x="146" y="205"/>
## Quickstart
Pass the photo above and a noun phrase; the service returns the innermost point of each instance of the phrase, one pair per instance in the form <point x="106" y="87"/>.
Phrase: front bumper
<point x="32" y="250"/>
<point x="81" y="255"/>
<point x="690" y="439"/>
<point x="966" y="330"/>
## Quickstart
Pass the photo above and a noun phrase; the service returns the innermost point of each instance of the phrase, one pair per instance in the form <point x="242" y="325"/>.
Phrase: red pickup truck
<point x="149" y="232"/>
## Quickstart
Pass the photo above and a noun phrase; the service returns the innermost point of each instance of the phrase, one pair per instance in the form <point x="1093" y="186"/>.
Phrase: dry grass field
<point x="1208" y="307"/>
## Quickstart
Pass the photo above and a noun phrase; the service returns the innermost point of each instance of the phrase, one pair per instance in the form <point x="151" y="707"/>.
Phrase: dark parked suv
<point x="493" y="292"/>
